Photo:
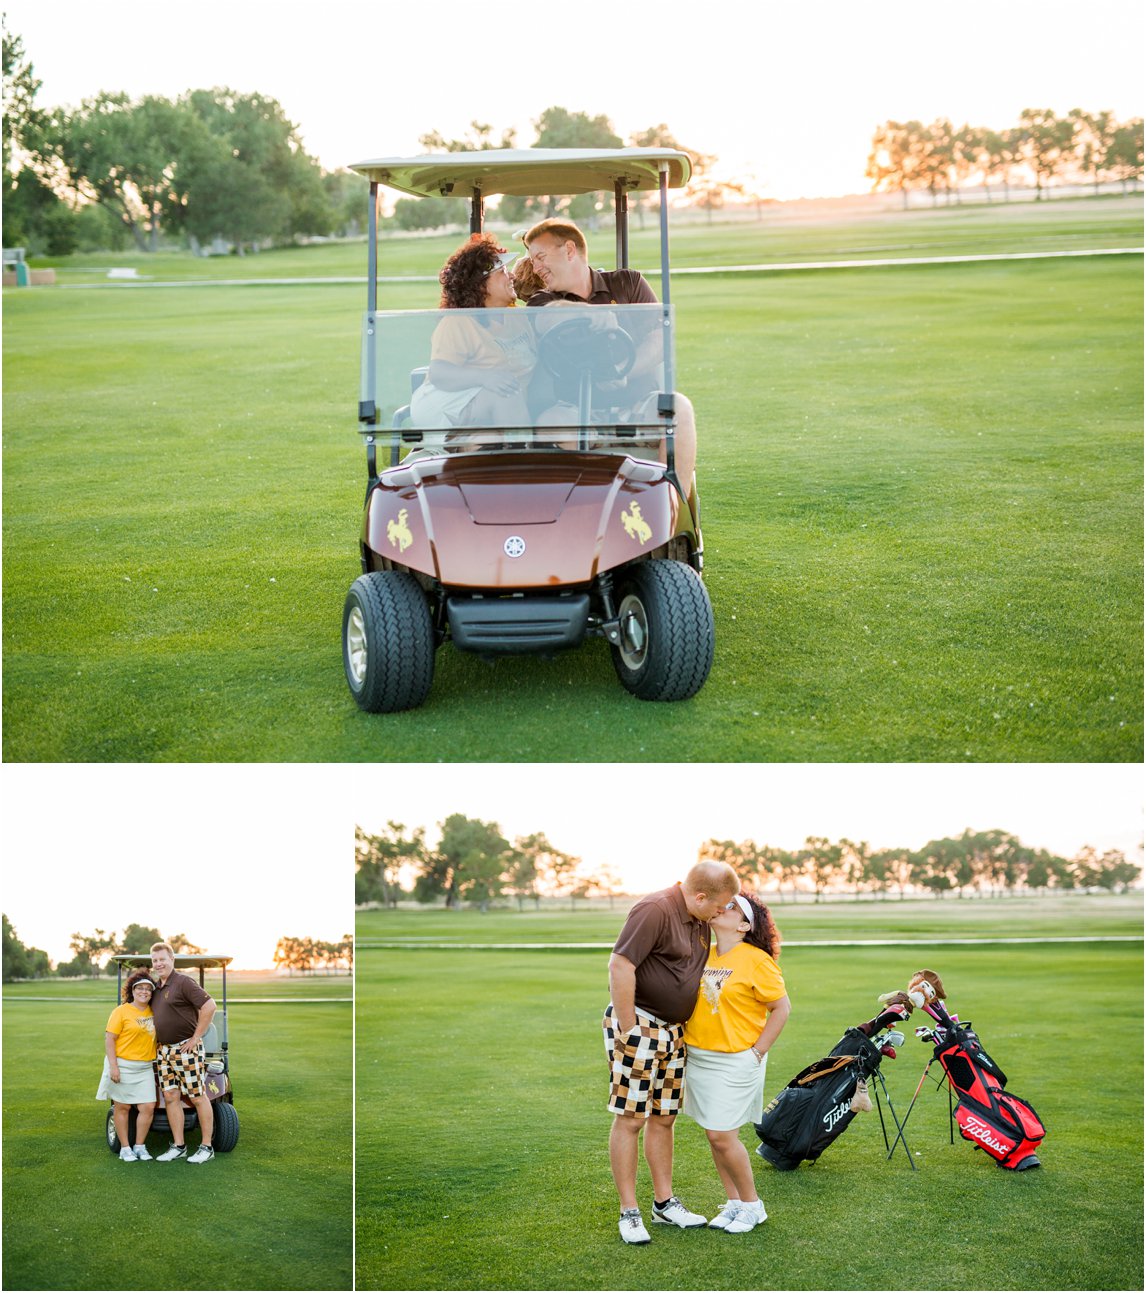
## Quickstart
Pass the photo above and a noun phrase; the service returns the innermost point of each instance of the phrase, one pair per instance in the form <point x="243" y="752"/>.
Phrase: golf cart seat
<point x="211" y="1040"/>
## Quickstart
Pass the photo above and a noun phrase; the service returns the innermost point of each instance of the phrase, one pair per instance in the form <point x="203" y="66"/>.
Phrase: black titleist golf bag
<point x="989" y="1117"/>
<point x="817" y="1105"/>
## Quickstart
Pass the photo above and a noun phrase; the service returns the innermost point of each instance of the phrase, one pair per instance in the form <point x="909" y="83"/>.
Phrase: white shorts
<point x="724" y="1090"/>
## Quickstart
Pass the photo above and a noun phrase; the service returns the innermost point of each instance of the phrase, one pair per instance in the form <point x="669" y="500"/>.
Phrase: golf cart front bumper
<point x="517" y="625"/>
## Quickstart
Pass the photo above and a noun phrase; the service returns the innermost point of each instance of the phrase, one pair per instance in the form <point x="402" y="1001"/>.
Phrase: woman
<point x="128" y="1075"/>
<point x="740" y="1010"/>
<point x="479" y="369"/>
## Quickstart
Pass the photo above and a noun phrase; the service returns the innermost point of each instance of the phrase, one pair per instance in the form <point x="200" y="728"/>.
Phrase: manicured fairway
<point x="275" y="1213"/>
<point x="921" y="502"/>
<point x="481" y="1157"/>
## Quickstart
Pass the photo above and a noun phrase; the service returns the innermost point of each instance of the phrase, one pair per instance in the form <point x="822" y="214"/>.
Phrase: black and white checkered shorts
<point x="181" y="1070"/>
<point x="646" y="1068"/>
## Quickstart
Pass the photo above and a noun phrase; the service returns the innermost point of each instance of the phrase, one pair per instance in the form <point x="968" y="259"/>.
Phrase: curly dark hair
<point x="763" y="933"/>
<point x="463" y="275"/>
<point x="140" y="976"/>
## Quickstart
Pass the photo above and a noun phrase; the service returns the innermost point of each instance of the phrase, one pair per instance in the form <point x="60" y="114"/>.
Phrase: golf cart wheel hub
<point x="356" y="645"/>
<point x="634" y="632"/>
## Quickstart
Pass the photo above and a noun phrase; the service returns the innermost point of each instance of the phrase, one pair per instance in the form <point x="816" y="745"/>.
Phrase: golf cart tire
<point x="110" y="1133"/>
<point x="387" y="642"/>
<point x="226" y="1135"/>
<point x="667" y="632"/>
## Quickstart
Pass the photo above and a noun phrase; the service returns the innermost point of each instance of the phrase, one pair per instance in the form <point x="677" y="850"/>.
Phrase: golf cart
<point x="527" y="534"/>
<point x="219" y="1091"/>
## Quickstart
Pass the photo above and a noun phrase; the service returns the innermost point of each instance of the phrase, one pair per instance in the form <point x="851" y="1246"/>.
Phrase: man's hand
<point x="189" y="1045"/>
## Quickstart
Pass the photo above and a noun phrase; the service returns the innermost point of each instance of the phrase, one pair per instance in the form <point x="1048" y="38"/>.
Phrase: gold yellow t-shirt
<point x="134" y="1032"/>
<point x="732" y="1005"/>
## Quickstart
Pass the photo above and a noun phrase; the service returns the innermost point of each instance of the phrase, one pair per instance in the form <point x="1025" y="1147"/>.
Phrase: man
<point x="654" y="978"/>
<point x="560" y="257"/>
<point x="183" y="1013"/>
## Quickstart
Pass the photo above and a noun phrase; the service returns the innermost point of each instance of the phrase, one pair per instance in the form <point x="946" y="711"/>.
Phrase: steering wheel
<point x="573" y="348"/>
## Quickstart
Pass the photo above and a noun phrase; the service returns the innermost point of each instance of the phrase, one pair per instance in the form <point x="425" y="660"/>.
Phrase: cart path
<point x="782" y="268"/>
<point x="370" y="945"/>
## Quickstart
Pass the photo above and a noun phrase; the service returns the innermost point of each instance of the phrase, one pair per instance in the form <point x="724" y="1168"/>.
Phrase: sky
<point x="788" y="94"/>
<point x="233" y="858"/>
<point x="648" y="820"/>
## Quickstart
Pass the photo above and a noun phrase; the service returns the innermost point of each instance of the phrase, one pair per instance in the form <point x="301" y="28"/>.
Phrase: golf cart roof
<point x="528" y="172"/>
<point x="182" y="961"/>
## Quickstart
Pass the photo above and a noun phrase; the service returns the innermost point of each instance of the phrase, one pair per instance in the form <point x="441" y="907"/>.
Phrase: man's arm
<point x="206" y="1014"/>
<point x="623" y="992"/>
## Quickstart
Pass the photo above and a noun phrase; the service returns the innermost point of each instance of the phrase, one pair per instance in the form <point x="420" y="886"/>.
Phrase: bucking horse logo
<point x="636" y="527"/>
<point x="398" y="532"/>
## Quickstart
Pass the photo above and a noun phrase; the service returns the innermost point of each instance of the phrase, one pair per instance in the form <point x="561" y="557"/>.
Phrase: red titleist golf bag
<point x="989" y="1117"/>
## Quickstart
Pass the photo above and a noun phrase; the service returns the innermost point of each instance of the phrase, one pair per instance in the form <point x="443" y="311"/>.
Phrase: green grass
<point x="921" y="498"/>
<point x="1082" y="915"/>
<point x="275" y="1213"/>
<point x="495" y="1059"/>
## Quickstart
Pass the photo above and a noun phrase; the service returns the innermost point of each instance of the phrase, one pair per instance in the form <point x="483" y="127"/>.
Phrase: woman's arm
<point x="109" y="1041"/>
<point x="456" y="377"/>
<point x="778" y="1012"/>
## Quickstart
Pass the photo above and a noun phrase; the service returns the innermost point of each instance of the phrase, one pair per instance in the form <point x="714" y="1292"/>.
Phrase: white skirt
<point x="136" y="1083"/>
<point x="432" y="408"/>
<point x="724" y="1090"/>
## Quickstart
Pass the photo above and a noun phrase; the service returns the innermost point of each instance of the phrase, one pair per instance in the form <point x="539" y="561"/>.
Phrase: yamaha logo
<point x="514" y="546"/>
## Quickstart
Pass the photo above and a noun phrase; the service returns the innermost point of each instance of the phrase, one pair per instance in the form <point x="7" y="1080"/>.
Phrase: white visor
<point x="746" y="907"/>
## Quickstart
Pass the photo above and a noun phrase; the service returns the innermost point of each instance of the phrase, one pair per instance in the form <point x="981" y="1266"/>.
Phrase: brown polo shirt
<point x="610" y="287"/>
<point x="176" y="1008"/>
<point x="669" y="948"/>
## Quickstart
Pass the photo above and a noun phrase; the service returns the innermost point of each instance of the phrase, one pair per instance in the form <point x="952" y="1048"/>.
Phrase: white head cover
<point x="746" y="907"/>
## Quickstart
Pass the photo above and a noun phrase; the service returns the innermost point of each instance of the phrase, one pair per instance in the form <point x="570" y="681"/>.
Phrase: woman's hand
<point x="113" y="1070"/>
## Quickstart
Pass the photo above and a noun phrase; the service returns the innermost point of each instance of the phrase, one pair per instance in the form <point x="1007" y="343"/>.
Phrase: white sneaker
<point x="748" y="1217"/>
<point x="633" y="1228"/>
<point x="204" y="1154"/>
<point x="674" y="1213"/>
<point x="140" y="1152"/>
<point x="176" y="1151"/>
<point x="725" y="1216"/>
<point x="126" y="1156"/>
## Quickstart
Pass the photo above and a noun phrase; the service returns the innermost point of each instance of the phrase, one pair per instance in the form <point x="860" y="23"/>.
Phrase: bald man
<point x="654" y="977"/>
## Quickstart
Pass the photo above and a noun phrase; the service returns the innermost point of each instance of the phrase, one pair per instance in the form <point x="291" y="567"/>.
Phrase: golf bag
<point x="814" y="1109"/>
<point x="989" y="1117"/>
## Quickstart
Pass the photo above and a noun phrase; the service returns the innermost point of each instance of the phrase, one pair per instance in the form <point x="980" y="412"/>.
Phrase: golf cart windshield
<point x="443" y="379"/>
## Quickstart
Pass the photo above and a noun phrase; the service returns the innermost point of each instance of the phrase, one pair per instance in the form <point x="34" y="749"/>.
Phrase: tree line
<point x="219" y="166"/>
<point x="92" y="952"/>
<point x="474" y="864"/>
<point x="311" y="955"/>
<point x="1086" y="147"/>
<point x="975" y="862"/>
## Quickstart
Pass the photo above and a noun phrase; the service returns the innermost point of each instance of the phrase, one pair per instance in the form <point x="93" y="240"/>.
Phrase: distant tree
<point x="139" y="938"/>
<point x="894" y="162"/>
<point x="22" y="962"/>
<point x="467" y="865"/>
<point x="821" y="863"/>
<point x="1093" y="135"/>
<point x="1000" y="153"/>
<point x="379" y="859"/>
<point x="1049" y="144"/>
<point x="346" y="195"/>
<point x="429" y="213"/>
<point x="1124" y="156"/>
<point x="182" y="945"/>
<point x="660" y="136"/>
<point x="477" y="139"/>
<point x="560" y="128"/>
<point x="93" y="948"/>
